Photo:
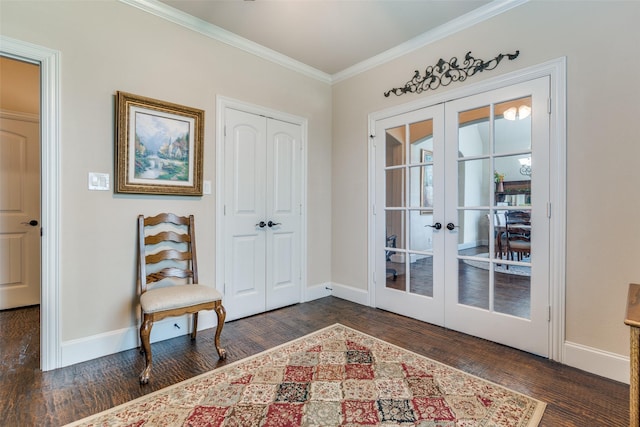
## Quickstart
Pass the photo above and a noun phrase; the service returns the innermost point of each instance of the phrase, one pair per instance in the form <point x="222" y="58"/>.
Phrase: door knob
<point x="271" y="223"/>
<point x="437" y="226"/>
<point x="450" y="226"/>
<point x="262" y="224"/>
<point x="32" y="223"/>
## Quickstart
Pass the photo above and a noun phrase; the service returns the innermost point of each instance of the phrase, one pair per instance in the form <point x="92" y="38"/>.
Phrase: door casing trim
<point x="222" y="103"/>
<point x="49" y="62"/>
<point x="556" y="70"/>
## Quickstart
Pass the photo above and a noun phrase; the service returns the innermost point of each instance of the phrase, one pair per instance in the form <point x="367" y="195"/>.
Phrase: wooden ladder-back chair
<point x="168" y="279"/>
<point x="518" y="234"/>
<point x="500" y="235"/>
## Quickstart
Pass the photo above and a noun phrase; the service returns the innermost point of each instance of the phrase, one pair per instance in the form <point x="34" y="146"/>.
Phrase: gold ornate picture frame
<point x="159" y="147"/>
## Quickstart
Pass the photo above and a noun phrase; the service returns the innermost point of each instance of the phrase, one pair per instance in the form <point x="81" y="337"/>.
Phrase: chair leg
<point x="140" y="349"/>
<point x="145" y="333"/>
<point x="194" y="331"/>
<point x="222" y="314"/>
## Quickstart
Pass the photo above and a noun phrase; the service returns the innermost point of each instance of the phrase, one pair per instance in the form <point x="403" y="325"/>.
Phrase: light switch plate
<point x="98" y="181"/>
<point x="206" y="187"/>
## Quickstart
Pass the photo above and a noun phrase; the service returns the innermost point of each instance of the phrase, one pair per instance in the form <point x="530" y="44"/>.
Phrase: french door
<point x="462" y="238"/>
<point x="409" y="172"/>
<point x="262" y="213"/>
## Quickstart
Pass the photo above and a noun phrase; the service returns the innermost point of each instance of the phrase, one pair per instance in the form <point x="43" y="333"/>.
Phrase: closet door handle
<point x="261" y="224"/>
<point x="272" y="224"/>
<point x="437" y="226"/>
<point x="450" y="226"/>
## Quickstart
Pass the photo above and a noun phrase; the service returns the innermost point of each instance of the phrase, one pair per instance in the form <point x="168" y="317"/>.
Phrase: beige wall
<point x="108" y="46"/>
<point x="599" y="40"/>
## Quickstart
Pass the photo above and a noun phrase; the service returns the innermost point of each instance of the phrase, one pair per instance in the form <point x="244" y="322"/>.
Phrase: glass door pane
<point x="421" y="192"/>
<point x="494" y="207"/>
<point x="395" y="196"/>
<point x="512" y="197"/>
<point x="409" y="207"/>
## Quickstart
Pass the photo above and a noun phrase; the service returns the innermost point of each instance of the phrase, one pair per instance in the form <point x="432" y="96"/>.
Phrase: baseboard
<point x="589" y="359"/>
<point x="349" y="293"/>
<point x="317" y="291"/>
<point x="92" y="347"/>
<point x="593" y="360"/>
<point x="596" y="361"/>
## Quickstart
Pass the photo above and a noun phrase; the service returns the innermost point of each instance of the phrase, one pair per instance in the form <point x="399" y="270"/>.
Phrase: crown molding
<point x="176" y="16"/>
<point x="467" y="20"/>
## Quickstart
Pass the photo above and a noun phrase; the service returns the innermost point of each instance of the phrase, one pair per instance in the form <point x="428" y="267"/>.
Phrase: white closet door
<point x="262" y="221"/>
<point x="245" y="207"/>
<point x="283" y="207"/>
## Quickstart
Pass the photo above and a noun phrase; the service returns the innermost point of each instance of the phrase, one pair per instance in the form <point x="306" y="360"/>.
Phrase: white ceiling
<point x="334" y="35"/>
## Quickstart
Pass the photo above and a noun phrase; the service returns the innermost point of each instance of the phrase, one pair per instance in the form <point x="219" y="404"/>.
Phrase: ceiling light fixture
<point x="518" y="113"/>
<point x="525" y="166"/>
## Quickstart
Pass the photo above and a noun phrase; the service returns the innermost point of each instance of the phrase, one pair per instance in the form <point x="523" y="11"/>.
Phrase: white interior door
<point x="283" y="214"/>
<point x="262" y="213"/>
<point x="19" y="212"/>
<point x="245" y="209"/>
<point x="497" y="206"/>
<point x="454" y="247"/>
<point x="409" y="212"/>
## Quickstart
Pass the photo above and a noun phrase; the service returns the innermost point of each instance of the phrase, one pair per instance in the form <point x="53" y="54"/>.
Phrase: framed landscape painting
<point x="158" y="147"/>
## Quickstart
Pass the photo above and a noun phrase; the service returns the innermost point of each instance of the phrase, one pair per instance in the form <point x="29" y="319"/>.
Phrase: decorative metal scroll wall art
<point x="446" y="72"/>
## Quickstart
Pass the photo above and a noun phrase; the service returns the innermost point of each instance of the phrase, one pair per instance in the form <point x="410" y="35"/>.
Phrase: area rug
<point x="519" y="270"/>
<point x="333" y="377"/>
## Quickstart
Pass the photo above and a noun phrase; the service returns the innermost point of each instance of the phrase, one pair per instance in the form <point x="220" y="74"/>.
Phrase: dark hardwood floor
<point x="29" y="397"/>
<point x="512" y="293"/>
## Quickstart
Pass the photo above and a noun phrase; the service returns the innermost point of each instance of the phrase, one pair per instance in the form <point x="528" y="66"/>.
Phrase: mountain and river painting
<point x="161" y="148"/>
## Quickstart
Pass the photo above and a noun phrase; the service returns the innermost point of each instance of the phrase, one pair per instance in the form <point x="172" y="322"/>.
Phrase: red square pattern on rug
<point x="360" y="412"/>
<point x="436" y="409"/>
<point x="207" y="416"/>
<point x="298" y="373"/>
<point x="284" y="415"/>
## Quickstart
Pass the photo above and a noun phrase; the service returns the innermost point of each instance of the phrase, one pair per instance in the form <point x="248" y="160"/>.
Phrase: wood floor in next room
<point x="29" y="397"/>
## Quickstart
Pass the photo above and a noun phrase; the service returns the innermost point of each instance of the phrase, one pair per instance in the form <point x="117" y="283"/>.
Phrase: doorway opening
<point x="50" y="211"/>
<point x="20" y="212"/>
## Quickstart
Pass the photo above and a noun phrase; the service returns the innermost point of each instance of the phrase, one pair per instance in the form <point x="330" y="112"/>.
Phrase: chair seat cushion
<point x="171" y="297"/>
<point x="520" y="244"/>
